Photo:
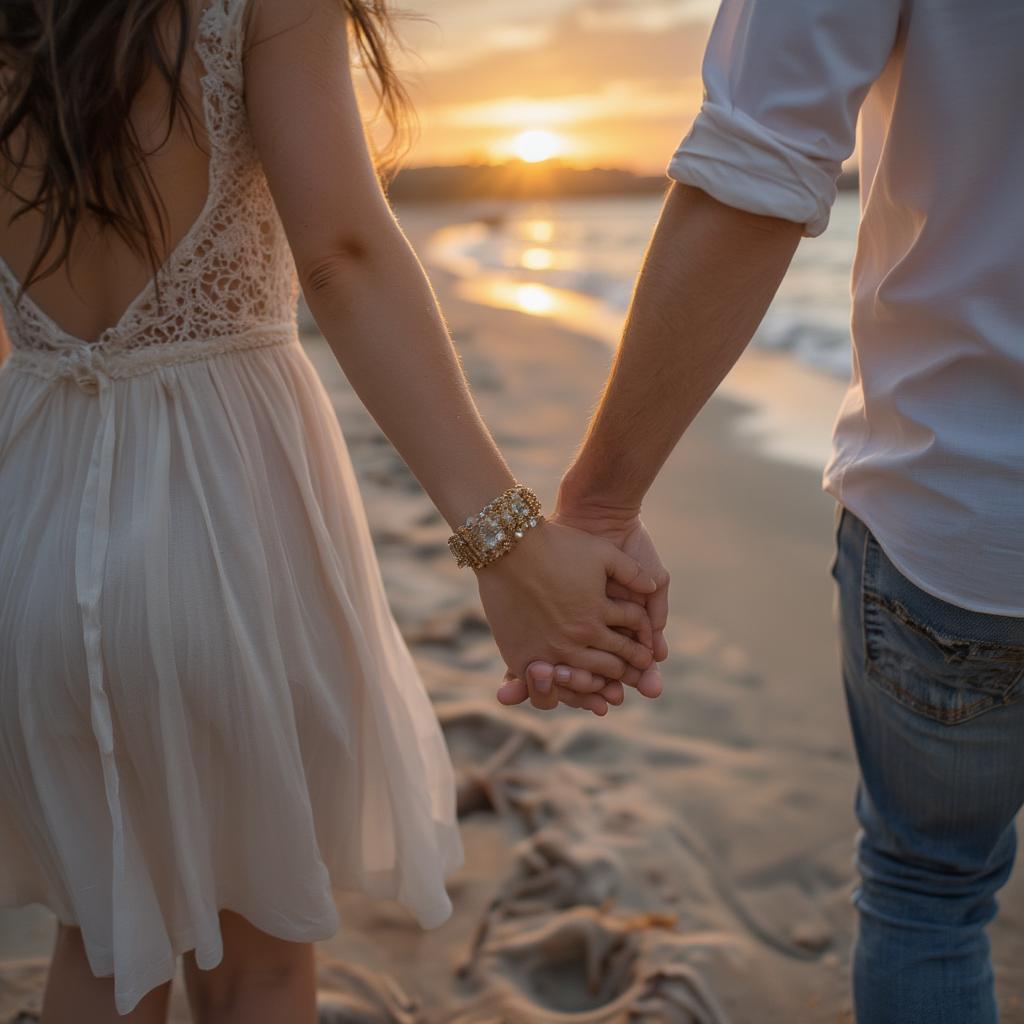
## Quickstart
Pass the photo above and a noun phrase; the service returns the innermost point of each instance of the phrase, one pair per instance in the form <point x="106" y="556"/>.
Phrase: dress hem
<point x="125" y="1003"/>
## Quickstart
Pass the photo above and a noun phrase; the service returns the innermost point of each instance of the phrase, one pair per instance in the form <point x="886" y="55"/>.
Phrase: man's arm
<point x="5" y="343"/>
<point x="708" y="278"/>
<point x="783" y="86"/>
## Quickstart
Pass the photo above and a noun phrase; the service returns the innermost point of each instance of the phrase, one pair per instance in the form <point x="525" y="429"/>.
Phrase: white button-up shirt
<point x="929" y="442"/>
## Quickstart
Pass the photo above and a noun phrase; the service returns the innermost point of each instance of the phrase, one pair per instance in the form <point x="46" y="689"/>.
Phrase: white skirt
<point x="204" y="699"/>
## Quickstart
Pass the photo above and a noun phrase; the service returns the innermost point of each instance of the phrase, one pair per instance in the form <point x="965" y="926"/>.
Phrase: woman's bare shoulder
<point x="306" y="124"/>
<point x="269" y="19"/>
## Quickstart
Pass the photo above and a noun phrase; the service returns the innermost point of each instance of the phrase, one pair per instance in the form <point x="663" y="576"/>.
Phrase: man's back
<point x="929" y="445"/>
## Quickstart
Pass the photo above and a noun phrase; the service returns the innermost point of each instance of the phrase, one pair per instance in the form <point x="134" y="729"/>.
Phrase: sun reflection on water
<point x="538" y="258"/>
<point x="536" y="299"/>
<point x="577" y="312"/>
<point x="541" y="231"/>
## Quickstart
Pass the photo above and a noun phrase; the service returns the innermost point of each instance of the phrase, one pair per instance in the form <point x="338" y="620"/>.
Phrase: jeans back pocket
<point x="937" y="659"/>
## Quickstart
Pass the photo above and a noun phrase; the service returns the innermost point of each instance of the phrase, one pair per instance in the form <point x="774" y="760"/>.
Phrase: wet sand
<point x="685" y="861"/>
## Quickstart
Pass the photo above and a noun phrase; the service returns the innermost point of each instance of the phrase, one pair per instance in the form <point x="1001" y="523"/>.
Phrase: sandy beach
<point x="684" y="861"/>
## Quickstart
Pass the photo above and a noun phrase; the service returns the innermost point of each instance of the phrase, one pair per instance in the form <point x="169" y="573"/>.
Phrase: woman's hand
<point x="547" y="684"/>
<point x="547" y="600"/>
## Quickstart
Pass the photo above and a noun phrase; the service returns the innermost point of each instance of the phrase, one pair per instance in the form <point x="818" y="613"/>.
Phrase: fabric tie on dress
<point x="86" y="366"/>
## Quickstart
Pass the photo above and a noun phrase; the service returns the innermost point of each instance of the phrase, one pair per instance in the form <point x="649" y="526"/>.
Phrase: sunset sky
<point x="593" y="82"/>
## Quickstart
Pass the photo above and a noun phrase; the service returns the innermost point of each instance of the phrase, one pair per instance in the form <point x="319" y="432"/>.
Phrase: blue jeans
<point x="936" y="705"/>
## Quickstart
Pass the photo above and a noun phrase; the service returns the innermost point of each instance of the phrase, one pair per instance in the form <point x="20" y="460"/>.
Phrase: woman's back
<point x="103" y="273"/>
<point x="227" y="269"/>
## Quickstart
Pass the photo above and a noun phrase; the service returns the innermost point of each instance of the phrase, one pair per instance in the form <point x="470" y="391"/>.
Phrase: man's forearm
<point x="708" y="278"/>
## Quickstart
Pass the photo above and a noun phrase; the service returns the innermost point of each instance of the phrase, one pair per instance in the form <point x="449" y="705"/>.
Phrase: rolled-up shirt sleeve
<point x="784" y="81"/>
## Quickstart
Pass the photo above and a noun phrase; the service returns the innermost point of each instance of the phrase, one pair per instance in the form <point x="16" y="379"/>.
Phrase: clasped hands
<point x="578" y="610"/>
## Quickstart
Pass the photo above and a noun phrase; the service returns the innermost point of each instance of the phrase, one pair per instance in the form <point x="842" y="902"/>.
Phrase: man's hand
<point x="636" y="542"/>
<point x="560" y="684"/>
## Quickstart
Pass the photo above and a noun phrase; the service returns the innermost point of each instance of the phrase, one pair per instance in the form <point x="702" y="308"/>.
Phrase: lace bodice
<point x="233" y="272"/>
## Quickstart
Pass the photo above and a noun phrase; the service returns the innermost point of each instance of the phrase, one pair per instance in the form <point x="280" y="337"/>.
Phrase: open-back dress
<point x="205" y="702"/>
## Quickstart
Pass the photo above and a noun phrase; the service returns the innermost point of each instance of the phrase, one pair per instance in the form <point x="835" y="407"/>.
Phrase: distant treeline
<point x="519" y="180"/>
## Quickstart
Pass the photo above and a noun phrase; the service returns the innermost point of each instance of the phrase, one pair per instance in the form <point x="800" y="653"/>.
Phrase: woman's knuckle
<point x="577" y="630"/>
<point x="562" y="652"/>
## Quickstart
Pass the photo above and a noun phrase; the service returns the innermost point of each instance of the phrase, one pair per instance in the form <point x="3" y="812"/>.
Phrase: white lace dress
<point x="204" y="699"/>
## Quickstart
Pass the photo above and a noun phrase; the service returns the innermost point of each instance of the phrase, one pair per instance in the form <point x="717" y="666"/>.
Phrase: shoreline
<point x="790" y="405"/>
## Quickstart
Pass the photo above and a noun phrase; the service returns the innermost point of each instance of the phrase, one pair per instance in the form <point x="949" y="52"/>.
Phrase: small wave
<point x="816" y="342"/>
<point x="595" y="253"/>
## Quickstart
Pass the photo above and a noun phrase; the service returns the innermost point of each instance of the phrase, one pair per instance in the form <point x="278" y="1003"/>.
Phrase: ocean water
<point x="576" y="261"/>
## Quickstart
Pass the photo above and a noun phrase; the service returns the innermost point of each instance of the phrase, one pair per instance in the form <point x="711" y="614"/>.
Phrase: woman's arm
<point x="5" y="343"/>
<point x="359" y="274"/>
<point x="374" y="305"/>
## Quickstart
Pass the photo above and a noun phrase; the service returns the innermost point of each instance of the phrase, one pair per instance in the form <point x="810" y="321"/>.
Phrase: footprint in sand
<point x="350" y="994"/>
<point x="484" y="742"/>
<point x="557" y="872"/>
<point x="586" y="966"/>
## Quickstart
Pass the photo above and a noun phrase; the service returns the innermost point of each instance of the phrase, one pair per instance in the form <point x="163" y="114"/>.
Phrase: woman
<point x="209" y="720"/>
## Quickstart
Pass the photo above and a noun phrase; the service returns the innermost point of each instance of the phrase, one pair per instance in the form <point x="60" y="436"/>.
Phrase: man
<point x="928" y="460"/>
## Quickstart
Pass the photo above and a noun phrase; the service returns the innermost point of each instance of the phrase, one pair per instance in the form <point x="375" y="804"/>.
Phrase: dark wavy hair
<point x="70" y="71"/>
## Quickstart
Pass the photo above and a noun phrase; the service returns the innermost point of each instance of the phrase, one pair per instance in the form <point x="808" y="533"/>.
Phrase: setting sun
<point x="537" y="145"/>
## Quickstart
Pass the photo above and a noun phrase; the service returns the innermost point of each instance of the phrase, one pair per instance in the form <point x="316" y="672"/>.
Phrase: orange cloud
<point x="620" y="80"/>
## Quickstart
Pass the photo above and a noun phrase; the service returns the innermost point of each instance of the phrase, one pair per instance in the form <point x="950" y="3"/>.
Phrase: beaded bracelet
<point x="497" y="528"/>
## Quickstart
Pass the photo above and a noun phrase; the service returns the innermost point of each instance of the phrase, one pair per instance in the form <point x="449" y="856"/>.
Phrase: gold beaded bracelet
<point x="496" y="529"/>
